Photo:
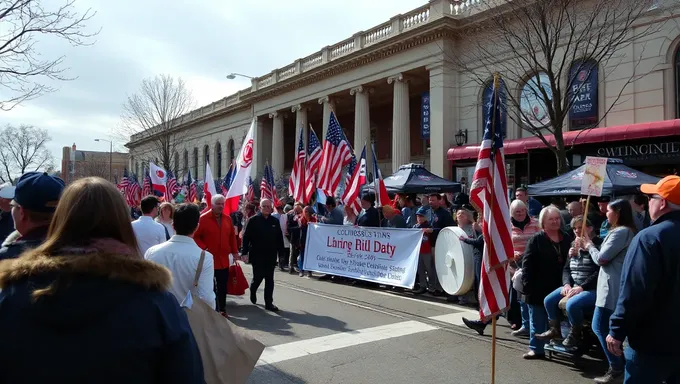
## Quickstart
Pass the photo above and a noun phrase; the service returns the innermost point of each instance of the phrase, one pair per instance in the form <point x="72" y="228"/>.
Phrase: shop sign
<point x="532" y="103"/>
<point x="583" y="112"/>
<point x="425" y="115"/>
<point x="642" y="151"/>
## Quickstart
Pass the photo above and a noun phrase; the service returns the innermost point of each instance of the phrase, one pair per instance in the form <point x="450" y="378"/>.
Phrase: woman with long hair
<point x="165" y="217"/>
<point x="610" y="257"/>
<point x="88" y="300"/>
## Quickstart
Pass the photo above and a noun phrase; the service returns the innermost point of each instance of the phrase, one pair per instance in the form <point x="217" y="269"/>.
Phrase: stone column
<point x="300" y="123"/>
<point x="401" y="125"/>
<point x="328" y="106"/>
<point x="362" y="124"/>
<point x="277" y="143"/>
<point x="443" y="116"/>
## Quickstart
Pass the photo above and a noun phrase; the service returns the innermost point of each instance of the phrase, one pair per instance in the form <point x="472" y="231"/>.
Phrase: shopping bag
<point x="237" y="284"/>
<point x="229" y="353"/>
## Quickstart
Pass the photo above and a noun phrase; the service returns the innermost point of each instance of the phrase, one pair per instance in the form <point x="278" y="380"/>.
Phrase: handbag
<point x="229" y="353"/>
<point x="517" y="281"/>
<point x="237" y="284"/>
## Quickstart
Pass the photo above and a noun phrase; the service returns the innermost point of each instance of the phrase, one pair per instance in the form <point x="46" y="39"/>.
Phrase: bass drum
<point x="454" y="262"/>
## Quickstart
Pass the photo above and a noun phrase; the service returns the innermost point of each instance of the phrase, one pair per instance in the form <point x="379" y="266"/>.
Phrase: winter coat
<point x="542" y="266"/>
<point x="610" y="256"/>
<point x="263" y="241"/>
<point x="110" y="319"/>
<point x="15" y="244"/>
<point x="369" y="218"/>
<point x="6" y="225"/>
<point x="220" y="240"/>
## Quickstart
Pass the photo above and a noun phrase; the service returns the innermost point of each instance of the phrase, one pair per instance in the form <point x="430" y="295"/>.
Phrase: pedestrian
<point x="640" y="204"/>
<point x="165" y="217"/>
<point x="441" y="218"/>
<point x="647" y="311"/>
<point x="216" y="235"/>
<point x="6" y="221"/>
<point x="533" y="206"/>
<point x="427" y="277"/>
<point x="307" y="218"/>
<point x="284" y="255"/>
<point x="147" y="231"/>
<point x="408" y="209"/>
<point x="262" y="242"/>
<point x="293" y="227"/>
<point x="35" y="199"/>
<point x="88" y="300"/>
<point x="181" y="256"/>
<point x="334" y="215"/>
<point x="369" y="216"/>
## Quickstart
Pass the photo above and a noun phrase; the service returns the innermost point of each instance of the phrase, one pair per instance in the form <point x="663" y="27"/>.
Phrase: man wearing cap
<point x="6" y="221"/>
<point x="35" y="198"/>
<point x="648" y="308"/>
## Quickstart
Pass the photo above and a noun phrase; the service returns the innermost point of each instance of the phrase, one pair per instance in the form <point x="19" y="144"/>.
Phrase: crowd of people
<point x="98" y="285"/>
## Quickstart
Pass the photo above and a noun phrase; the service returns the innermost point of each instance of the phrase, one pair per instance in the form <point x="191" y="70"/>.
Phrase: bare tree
<point x="23" y="70"/>
<point x="550" y="41"/>
<point x="95" y="164"/>
<point x="23" y="149"/>
<point x="155" y="110"/>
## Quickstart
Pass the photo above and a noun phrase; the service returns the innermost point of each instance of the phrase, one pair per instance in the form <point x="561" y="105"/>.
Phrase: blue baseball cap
<point x="422" y="211"/>
<point x="38" y="191"/>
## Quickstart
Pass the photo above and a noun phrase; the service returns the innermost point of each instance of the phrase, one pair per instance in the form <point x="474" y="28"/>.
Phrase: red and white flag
<point x="209" y="189"/>
<point x="244" y="162"/>
<point x="296" y="183"/>
<point x="313" y="164"/>
<point x="381" y="195"/>
<point x="356" y="181"/>
<point x="159" y="179"/>
<point x="488" y="193"/>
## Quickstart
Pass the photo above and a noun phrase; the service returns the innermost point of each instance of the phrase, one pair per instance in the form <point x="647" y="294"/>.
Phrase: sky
<point x="201" y="43"/>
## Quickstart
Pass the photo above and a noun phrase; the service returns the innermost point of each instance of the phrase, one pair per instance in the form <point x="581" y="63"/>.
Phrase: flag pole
<point x="496" y="85"/>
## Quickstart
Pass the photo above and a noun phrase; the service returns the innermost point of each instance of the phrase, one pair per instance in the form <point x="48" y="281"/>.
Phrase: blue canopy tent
<point x="414" y="178"/>
<point x="619" y="180"/>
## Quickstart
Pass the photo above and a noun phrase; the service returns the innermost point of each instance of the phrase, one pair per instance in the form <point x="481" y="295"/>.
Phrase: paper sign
<point x="593" y="176"/>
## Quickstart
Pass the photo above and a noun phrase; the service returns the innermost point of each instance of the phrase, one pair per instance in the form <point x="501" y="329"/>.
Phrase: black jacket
<point x="369" y="218"/>
<point x="15" y="244"/>
<point x="263" y="240"/>
<point x="542" y="266"/>
<point x="442" y="218"/>
<point x="110" y="320"/>
<point x="294" y="229"/>
<point x="6" y="225"/>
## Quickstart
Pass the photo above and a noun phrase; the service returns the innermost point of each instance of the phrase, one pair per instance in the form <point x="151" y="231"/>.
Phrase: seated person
<point x="580" y="283"/>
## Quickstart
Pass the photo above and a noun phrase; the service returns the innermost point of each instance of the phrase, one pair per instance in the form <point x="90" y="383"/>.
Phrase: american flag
<point x="171" y="186"/>
<point x="122" y="186"/>
<point x="488" y="193"/>
<point x="267" y="184"/>
<point x="335" y="155"/>
<point x="272" y="183"/>
<point x="133" y="192"/>
<point x="355" y="179"/>
<point x="313" y="164"/>
<point x="250" y="195"/>
<point x="191" y="188"/>
<point x="147" y="189"/>
<point x="296" y="182"/>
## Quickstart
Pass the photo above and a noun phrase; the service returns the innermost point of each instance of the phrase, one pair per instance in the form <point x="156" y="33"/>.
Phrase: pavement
<point x="329" y="332"/>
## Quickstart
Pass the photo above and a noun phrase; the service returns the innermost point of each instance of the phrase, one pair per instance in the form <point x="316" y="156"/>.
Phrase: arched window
<point x="487" y="99"/>
<point x="137" y="169"/>
<point x="185" y="168"/>
<point x="232" y="155"/>
<point x="583" y="88"/>
<point x="195" y="162"/>
<point x="176" y="170"/>
<point x="218" y="159"/>
<point x="532" y="103"/>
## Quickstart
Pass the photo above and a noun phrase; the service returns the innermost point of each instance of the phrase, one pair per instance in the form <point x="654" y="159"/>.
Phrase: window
<point x="583" y="90"/>
<point x="195" y="162"/>
<point x="232" y="155"/>
<point x="185" y="167"/>
<point x="218" y="159"/>
<point x="487" y="99"/>
<point x="532" y="103"/>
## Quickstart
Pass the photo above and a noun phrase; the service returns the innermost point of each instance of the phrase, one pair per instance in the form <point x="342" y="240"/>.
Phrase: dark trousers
<point x="284" y="255"/>
<point x="221" y="281"/>
<point x="266" y="273"/>
<point x="294" y="253"/>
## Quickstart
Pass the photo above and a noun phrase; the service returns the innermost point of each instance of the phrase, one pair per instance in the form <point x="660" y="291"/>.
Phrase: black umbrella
<point x="619" y="180"/>
<point x="414" y="178"/>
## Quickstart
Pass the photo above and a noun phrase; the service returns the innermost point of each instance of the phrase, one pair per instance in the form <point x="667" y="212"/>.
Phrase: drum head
<point x="454" y="262"/>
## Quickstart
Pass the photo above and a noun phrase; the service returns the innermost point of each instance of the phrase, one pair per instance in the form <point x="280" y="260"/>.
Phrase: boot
<point x="573" y="338"/>
<point x="475" y="325"/>
<point x="611" y="376"/>
<point x="552" y="333"/>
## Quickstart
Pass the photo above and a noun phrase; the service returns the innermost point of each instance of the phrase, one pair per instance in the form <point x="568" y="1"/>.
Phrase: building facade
<point x="396" y="86"/>
<point x="76" y="163"/>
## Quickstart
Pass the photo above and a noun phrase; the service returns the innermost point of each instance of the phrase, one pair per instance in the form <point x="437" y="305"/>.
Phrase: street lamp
<point x="232" y="76"/>
<point x="110" y="157"/>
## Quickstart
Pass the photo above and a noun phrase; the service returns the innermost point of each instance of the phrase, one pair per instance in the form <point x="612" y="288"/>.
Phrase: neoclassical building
<point x="395" y="86"/>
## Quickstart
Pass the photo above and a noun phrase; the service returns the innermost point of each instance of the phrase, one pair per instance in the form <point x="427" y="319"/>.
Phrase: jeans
<point x="266" y="273"/>
<point x="650" y="369"/>
<point x="221" y="281"/>
<point x="538" y="323"/>
<point x="601" y="329"/>
<point x="524" y="308"/>
<point x="576" y="305"/>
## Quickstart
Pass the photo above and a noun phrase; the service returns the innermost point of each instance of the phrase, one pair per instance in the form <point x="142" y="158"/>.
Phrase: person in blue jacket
<point x="85" y="307"/>
<point x="648" y="309"/>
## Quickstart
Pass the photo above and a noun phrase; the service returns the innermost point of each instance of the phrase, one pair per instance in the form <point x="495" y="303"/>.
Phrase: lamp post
<point x="461" y="137"/>
<point x="110" y="157"/>
<point x="233" y="75"/>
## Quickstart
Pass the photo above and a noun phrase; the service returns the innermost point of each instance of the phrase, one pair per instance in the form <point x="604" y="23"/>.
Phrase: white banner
<point x="387" y="256"/>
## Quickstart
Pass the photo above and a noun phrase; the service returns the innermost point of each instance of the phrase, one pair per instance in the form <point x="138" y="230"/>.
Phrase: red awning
<point x="596" y="135"/>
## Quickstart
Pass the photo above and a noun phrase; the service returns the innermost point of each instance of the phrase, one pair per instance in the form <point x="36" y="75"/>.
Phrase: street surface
<point x="335" y="333"/>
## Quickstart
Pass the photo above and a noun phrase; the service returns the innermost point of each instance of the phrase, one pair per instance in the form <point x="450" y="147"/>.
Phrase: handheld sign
<point x="593" y="182"/>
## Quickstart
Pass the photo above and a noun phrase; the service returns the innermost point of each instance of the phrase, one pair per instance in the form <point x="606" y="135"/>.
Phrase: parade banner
<point x="380" y="255"/>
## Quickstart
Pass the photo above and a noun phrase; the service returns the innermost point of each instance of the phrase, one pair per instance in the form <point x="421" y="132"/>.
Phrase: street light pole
<point x="110" y="157"/>
<point x="232" y="76"/>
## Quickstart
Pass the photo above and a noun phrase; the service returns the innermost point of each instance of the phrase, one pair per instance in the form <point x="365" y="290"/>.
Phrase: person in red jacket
<point x="216" y="235"/>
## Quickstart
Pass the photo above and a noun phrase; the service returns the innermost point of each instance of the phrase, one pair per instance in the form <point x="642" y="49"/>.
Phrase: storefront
<point x="653" y="148"/>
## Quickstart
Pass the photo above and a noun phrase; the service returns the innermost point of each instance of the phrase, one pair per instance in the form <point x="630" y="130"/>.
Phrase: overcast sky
<point x="201" y="43"/>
